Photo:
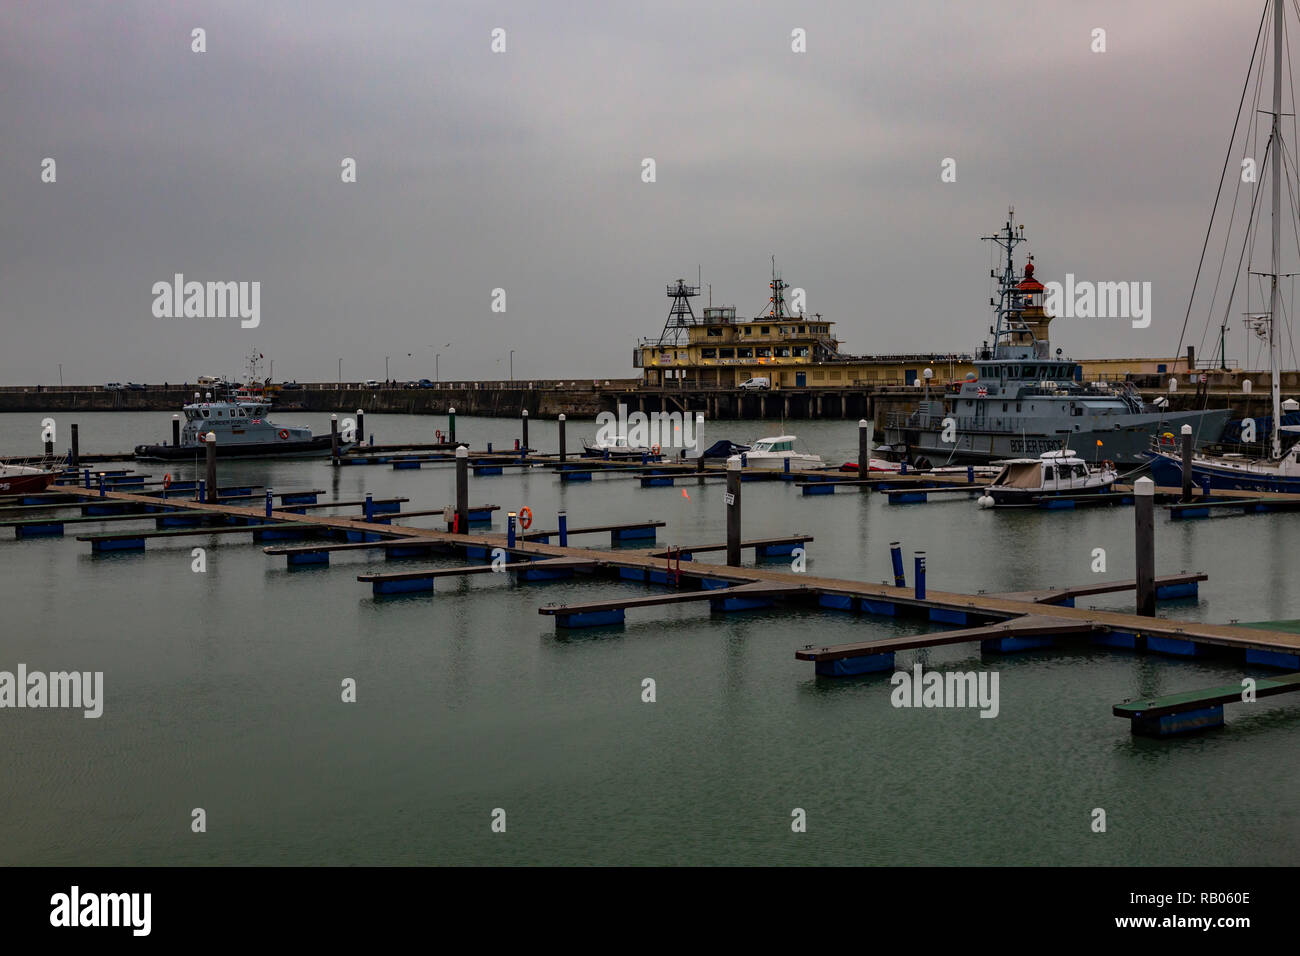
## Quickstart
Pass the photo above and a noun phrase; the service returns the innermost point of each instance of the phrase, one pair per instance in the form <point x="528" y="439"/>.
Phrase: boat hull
<point x="1167" y="471"/>
<point x="317" y="447"/>
<point x="1125" y="445"/>
<point x="25" y="484"/>
<point x="1023" y="498"/>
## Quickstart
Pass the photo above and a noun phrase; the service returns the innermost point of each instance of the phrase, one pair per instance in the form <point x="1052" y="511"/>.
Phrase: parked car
<point x="290" y="385"/>
<point x="135" y="386"/>
<point x="756" y="383"/>
<point x="425" y="383"/>
<point x="371" y="383"/>
<point x="114" y="386"/>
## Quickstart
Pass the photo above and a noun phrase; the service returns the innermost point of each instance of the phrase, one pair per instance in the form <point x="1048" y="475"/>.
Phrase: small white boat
<point x="774" y="452"/>
<point x="1023" y="480"/>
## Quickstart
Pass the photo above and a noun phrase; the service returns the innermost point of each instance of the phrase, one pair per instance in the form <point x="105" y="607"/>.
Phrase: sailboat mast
<point x="1273" y="363"/>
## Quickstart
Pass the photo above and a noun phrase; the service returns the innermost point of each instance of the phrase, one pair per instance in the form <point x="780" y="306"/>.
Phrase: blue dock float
<point x="178" y="521"/>
<point x="402" y="465"/>
<point x="118" y="544"/>
<point x="299" y="559"/>
<point x="657" y="481"/>
<point x="406" y="586"/>
<point x="782" y="549"/>
<point x="355" y="537"/>
<point x="303" y="499"/>
<point x="1266" y="658"/>
<point x="1176" y="647"/>
<point x="283" y="534"/>
<point x="481" y="471"/>
<point x="631" y="533"/>
<point x="1013" y="644"/>
<point x="574" y="475"/>
<point x="608" y="618"/>
<point x="408" y="551"/>
<point x="837" y="602"/>
<point x="819" y="488"/>
<point x="853" y="666"/>
<point x="52" y="529"/>
<point x="1171" y="592"/>
<point x="908" y="497"/>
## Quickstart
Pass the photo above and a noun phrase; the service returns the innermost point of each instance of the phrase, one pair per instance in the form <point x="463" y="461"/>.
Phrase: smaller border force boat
<point x="1022" y="481"/>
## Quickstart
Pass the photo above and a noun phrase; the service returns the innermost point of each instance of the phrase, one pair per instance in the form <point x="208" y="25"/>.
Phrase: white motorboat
<point x="774" y="452"/>
<point x="1022" y="481"/>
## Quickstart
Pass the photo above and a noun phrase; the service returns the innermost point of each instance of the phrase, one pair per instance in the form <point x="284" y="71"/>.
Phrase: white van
<point x="756" y="383"/>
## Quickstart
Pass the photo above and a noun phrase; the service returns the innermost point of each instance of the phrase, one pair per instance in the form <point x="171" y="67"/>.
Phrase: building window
<point x="763" y="353"/>
<point x="766" y="329"/>
<point x="744" y="353"/>
<point x="726" y="353"/>
<point x="801" y="351"/>
<point x="782" y="351"/>
<point x="713" y="330"/>
<point x="803" y="329"/>
<point x="708" y="353"/>
<point x="749" y="330"/>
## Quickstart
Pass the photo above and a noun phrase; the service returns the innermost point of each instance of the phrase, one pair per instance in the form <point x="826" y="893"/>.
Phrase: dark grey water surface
<point x="223" y="692"/>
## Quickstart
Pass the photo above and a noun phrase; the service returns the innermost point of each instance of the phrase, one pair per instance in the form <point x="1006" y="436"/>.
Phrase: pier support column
<point x="210" y="439"/>
<point x="762" y="406"/>
<point x="786" y="406"/>
<point x="1186" y="431"/>
<point x="844" y="405"/>
<point x="1144" y="506"/>
<point x="334" y="439"/>
<point x="462" y="490"/>
<point x="74" y="459"/>
<point x="562" y="447"/>
<point x="819" y="406"/>
<point x="361" y="426"/>
<point x="733" y="514"/>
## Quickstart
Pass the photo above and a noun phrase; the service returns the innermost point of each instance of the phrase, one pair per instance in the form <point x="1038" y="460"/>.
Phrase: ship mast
<point x="1277" y="171"/>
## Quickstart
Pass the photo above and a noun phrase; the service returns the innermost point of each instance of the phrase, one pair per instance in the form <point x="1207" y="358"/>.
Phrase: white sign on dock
<point x="729" y="498"/>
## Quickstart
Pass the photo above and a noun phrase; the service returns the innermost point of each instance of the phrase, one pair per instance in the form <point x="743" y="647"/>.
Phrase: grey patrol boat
<point x="1023" y="401"/>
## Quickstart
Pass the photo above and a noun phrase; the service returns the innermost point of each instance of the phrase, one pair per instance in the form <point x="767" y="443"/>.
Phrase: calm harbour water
<point x="223" y="692"/>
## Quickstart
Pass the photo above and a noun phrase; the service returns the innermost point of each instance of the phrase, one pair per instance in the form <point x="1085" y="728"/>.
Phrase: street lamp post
<point x="512" y="365"/>
<point x="340" y="373"/>
<point x="60" y="375"/>
<point x="385" y="368"/>
<point x="436" y="356"/>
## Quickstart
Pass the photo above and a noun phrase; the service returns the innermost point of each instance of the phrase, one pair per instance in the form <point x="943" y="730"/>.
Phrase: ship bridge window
<point x="207" y="413"/>
<point x="1049" y="473"/>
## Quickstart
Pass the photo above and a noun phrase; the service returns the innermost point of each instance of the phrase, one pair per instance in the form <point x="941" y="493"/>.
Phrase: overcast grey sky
<point x="522" y="170"/>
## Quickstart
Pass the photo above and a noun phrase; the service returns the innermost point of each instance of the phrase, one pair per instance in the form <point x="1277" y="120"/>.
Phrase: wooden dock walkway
<point x="998" y="622"/>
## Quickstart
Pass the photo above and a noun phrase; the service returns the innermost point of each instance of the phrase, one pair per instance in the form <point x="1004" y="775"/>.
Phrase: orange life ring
<point x="167" y="481"/>
<point x="284" y="434"/>
<point x="525" y="517"/>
